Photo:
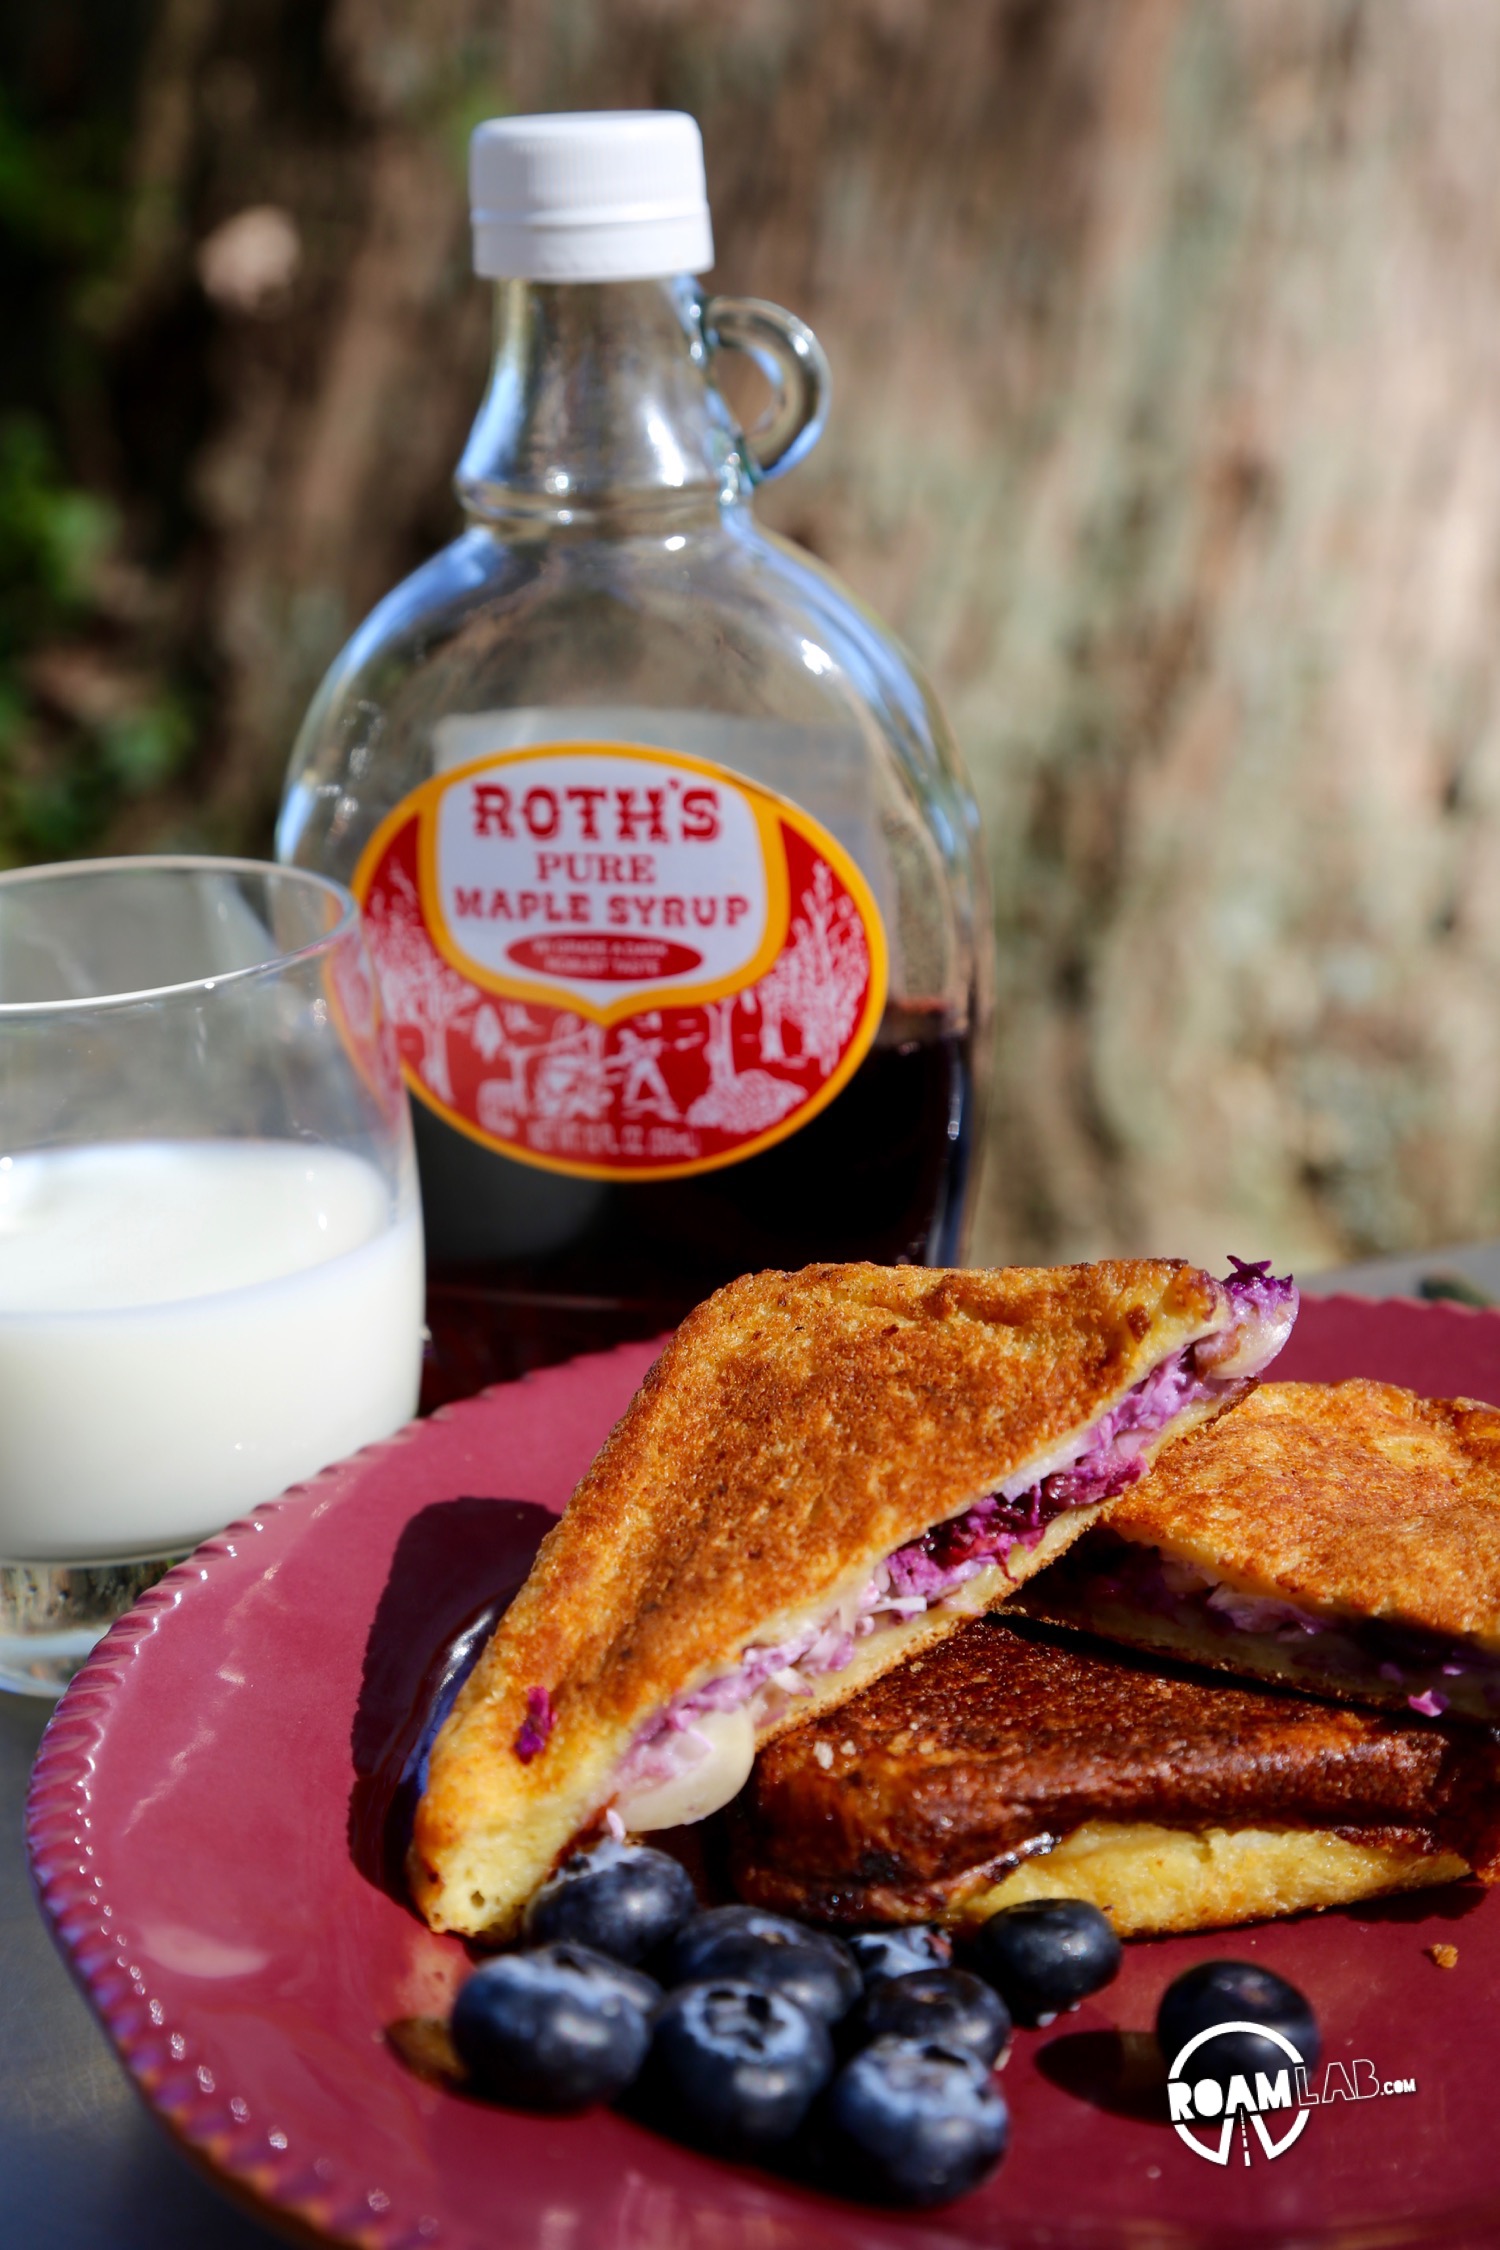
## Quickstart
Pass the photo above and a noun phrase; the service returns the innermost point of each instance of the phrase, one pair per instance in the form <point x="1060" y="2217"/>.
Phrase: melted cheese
<point x="717" y="1753"/>
<point x="1146" y="1877"/>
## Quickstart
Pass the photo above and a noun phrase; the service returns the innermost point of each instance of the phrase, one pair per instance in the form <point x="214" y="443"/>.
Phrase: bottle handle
<point x="793" y="362"/>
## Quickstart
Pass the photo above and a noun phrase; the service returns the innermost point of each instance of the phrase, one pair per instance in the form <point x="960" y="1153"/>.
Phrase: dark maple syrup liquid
<point x="527" y="1267"/>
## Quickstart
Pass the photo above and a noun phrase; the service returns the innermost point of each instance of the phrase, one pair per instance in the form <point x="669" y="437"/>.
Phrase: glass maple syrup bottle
<point x="668" y="863"/>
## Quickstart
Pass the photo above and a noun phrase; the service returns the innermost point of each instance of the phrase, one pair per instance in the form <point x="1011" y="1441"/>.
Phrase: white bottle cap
<point x="602" y="195"/>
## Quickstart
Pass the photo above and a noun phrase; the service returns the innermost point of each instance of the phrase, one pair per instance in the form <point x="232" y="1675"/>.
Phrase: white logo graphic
<point x="1207" y="2098"/>
<point x="1273" y="2104"/>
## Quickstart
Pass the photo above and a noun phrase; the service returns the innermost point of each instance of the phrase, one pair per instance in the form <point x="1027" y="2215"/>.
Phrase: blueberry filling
<point x="1436" y="1670"/>
<point x="536" y="1727"/>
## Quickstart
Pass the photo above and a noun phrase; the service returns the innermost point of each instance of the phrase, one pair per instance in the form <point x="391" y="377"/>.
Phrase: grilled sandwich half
<point x="824" y="1472"/>
<point x="1015" y="1763"/>
<point x="1342" y="1538"/>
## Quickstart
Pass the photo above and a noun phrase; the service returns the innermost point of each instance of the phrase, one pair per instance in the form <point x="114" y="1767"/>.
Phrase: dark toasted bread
<point x="798" y="1430"/>
<point x="1339" y="1537"/>
<point x="1012" y="1762"/>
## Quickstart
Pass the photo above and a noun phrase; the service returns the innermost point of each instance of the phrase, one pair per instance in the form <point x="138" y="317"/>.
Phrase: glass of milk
<point x="210" y="1238"/>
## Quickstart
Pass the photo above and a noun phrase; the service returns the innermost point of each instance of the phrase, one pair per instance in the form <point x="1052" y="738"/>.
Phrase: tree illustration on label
<point x="701" y="1060"/>
<point x="424" y="998"/>
<point x="819" y="982"/>
<point x="738" y="1101"/>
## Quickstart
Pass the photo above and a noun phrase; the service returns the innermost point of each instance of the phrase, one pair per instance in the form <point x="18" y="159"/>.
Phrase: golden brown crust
<point x="797" y="1429"/>
<point x="1356" y="1498"/>
<point x="976" y="1756"/>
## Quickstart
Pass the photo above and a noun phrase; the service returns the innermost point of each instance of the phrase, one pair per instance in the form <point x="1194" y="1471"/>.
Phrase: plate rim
<point x="212" y="2124"/>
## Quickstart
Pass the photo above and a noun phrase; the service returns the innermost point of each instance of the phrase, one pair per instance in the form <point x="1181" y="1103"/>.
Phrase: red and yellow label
<point x="620" y="962"/>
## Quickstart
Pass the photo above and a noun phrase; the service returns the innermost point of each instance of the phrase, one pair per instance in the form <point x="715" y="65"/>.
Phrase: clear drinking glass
<point x="210" y="1236"/>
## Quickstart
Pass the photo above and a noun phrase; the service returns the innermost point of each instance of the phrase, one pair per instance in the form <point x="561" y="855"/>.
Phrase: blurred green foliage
<point x="51" y="536"/>
<point x="68" y="761"/>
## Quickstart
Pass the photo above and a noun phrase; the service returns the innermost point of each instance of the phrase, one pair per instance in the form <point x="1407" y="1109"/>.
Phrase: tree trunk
<point x="1167" y="431"/>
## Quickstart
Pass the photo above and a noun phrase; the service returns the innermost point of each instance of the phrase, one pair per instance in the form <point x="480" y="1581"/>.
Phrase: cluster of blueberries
<point x="866" y="2063"/>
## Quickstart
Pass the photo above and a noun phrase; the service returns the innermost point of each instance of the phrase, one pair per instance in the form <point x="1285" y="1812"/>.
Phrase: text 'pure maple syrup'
<point x="666" y="858"/>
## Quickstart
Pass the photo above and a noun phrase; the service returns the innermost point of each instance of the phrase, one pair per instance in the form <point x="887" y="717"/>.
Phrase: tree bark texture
<point x="1166" y="337"/>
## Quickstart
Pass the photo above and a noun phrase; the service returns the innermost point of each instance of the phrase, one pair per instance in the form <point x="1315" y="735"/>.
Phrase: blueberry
<point x="1045" y="1955"/>
<point x="735" y="2067"/>
<point x="913" y="2122"/>
<point x="621" y="1899"/>
<point x="554" y="2029"/>
<point x="897" y="1953"/>
<point x="1235" y="1992"/>
<point x="768" y="1950"/>
<point x="943" y="2006"/>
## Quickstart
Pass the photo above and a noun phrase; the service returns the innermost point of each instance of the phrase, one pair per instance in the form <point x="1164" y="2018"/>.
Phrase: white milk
<point x="188" y="1327"/>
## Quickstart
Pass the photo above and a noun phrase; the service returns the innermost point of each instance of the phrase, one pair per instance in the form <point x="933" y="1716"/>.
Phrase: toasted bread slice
<point x="823" y="1472"/>
<point x="1014" y="1762"/>
<point x="1343" y="1538"/>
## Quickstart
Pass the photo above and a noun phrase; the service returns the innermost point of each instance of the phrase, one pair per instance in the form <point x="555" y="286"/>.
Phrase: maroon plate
<point x="206" y="1831"/>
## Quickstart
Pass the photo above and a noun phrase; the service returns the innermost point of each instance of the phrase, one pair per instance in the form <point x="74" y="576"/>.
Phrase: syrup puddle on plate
<point x="457" y="1566"/>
